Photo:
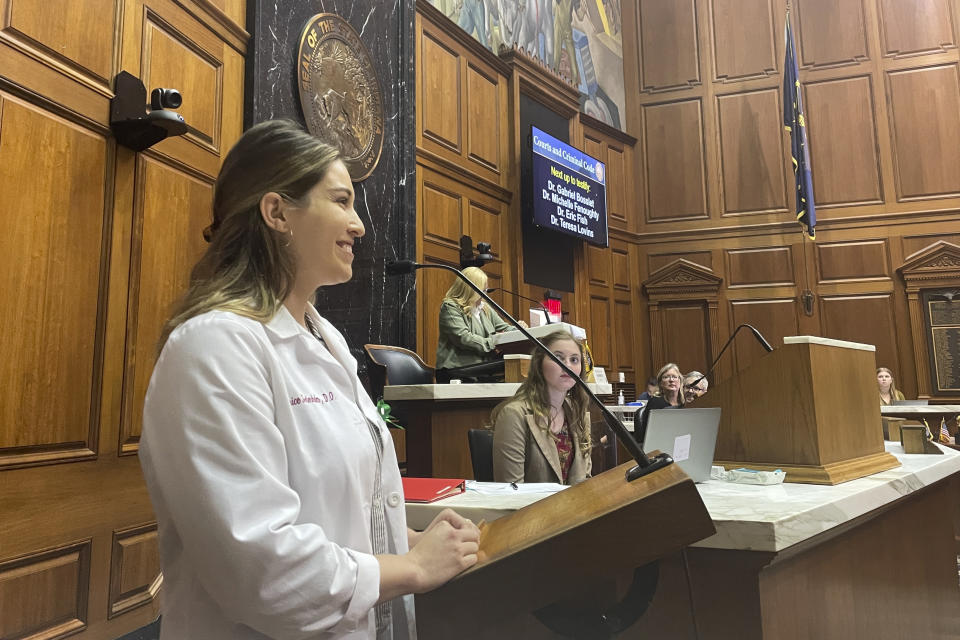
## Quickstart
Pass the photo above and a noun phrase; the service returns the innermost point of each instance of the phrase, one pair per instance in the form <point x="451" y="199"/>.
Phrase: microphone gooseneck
<point x="756" y="334"/>
<point x="546" y="313"/>
<point x="645" y="464"/>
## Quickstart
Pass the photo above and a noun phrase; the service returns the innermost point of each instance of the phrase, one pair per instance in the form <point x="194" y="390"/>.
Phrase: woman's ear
<point x="272" y="211"/>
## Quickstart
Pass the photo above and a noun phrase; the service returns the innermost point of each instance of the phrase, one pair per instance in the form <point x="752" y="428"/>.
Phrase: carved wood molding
<point x="888" y="220"/>
<point x="590" y="122"/>
<point x="219" y="22"/>
<point x="682" y="280"/>
<point x="462" y="175"/>
<point x="937" y="265"/>
<point x="461" y="37"/>
<point x="679" y="281"/>
<point x="933" y="267"/>
<point x="542" y="83"/>
<point x="125" y="554"/>
<point x="57" y="577"/>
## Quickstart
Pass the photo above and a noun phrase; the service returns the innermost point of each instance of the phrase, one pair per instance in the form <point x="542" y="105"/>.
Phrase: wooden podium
<point x="559" y="546"/>
<point x="809" y="408"/>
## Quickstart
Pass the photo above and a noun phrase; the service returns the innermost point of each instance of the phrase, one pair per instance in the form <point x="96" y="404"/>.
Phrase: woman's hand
<point x="447" y="547"/>
<point x="413" y="537"/>
<point x="447" y="515"/>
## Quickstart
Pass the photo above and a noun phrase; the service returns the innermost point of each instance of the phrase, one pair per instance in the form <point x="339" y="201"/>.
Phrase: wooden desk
<point x="869" y="558"/>
<point x="437" y="417"/>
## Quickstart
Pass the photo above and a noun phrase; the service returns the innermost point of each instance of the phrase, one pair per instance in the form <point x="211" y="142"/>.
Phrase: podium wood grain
<point x="549" y="550"/>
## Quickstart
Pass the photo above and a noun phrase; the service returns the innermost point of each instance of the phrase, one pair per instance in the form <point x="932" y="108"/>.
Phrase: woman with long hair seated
<point x="888" y="388"/>
<point x="467" y="325"/>
<point x="542" y="433"/>
<point x="669" y="382"/>
<point x="275" y="483"/>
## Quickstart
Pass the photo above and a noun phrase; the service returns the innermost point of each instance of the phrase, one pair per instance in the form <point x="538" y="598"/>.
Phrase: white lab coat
<point x="260" y="467"/>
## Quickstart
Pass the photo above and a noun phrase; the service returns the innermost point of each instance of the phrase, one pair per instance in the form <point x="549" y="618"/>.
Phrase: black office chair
<point x="481" y="453"/>
<point x="395" y="365"/>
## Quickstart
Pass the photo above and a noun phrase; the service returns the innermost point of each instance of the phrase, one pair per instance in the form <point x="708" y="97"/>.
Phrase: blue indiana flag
<point x="793" y="121"/>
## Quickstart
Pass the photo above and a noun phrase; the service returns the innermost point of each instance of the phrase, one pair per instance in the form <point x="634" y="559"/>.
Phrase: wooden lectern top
<point x="547" y="550"/>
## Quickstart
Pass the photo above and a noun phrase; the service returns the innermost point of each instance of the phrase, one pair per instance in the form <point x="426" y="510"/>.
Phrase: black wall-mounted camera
<point x="468" y="258"/>
<point x="136" y="127"/>
<point x="165" y="99"/>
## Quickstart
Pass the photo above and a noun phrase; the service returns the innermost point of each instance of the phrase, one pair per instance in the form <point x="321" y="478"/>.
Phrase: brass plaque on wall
<point x="943" y="337"/>
<point x="946" y="349"/>
<point x="340" y="92"/>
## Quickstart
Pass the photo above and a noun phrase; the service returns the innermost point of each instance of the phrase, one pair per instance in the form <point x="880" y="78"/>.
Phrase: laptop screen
<point x="688" y="435"/>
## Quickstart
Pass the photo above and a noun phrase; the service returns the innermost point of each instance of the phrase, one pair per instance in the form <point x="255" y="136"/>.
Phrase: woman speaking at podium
<point x="467" y="326"/>
<point x="542" y="433"/>
<point x="274" y="481"/>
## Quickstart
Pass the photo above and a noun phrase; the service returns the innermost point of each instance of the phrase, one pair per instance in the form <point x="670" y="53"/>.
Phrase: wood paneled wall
<point x="98" y="242"/>
<point x="608" y="278"/>
<point x="469" y="147"/>
<point x="463" y="162"/>
<point x="703" y="174"/>
<point x="714" y="180"/>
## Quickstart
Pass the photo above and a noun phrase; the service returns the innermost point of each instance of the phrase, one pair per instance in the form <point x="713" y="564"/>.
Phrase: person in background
<point x="652" y="389"/>
<point x="542" y="433"/>
<point x="467" y="326"/>
<point x="693" y="391"/>
<point x="275" y="484"/>
<point x="669" y="381"/>
<point x="888" y="388"/>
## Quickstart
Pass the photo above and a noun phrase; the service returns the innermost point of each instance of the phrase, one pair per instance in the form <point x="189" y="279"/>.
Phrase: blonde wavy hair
<point x="247" y="268"/>
<point x="895" y="394"/>
<point x="460" y="293"/>
<point x="663" y="371"/>
<point x="534" y="393"/>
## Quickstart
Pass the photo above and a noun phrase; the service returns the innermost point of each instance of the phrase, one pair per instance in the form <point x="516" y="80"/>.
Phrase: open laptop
<point x="688" y="435"/>
<point x="910" y="403"/>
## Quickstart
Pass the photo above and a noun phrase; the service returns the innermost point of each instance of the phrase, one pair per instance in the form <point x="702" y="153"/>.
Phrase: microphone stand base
<point x="657" y="462"/>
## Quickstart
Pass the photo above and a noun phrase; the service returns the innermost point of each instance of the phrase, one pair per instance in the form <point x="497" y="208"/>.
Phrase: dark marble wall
<point x="371" y="307"/>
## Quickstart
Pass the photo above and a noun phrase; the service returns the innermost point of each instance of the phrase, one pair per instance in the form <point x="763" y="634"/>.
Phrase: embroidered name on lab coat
<point x="323" y="398"/>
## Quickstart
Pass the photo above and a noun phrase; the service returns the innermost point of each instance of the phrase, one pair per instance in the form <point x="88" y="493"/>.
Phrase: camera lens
<point x="165" y="99"/>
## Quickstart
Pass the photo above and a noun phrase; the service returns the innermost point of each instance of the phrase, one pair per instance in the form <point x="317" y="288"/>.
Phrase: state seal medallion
<point x="340" y="92"/>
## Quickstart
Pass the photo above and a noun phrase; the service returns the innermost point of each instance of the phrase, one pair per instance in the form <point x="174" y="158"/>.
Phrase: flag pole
<point x="806" y="296"/>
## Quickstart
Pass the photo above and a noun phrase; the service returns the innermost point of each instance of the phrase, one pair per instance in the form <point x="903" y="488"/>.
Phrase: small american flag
<point x="944" y="433"/>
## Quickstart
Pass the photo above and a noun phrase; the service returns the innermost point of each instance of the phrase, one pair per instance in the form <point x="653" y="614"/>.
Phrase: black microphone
<point x="514" y="293"/>
<point x="645" y="464"/>
<point x="400" y="267"/>
<point x="756" y="334"/>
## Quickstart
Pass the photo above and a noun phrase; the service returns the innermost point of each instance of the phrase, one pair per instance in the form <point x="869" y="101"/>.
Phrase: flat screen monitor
<point x="569" y="189"/>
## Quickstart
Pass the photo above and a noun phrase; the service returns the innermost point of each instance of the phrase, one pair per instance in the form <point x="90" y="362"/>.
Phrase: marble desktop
<point x="758" y="518"/>
<point x="919" y="410"/>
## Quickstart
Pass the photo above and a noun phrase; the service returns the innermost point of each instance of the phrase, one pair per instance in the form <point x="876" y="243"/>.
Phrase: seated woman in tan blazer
<point x="542" y="433"/>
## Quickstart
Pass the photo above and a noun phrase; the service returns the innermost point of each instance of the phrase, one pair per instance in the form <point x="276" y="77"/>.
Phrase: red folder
<point x="431" y="489"/>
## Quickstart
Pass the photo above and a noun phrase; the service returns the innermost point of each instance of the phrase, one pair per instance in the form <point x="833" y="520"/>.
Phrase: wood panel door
<point x="98" y="242"/>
